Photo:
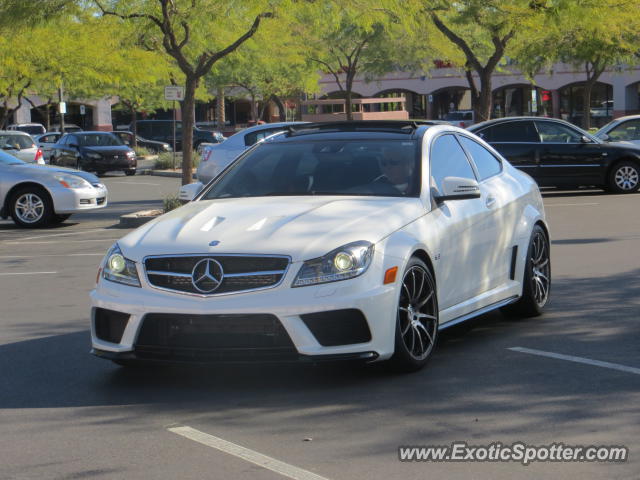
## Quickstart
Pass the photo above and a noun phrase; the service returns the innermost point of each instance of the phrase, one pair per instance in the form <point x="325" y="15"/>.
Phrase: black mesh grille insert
<point x="338" y="327"/>
<point x="160" y="270"/>
<point x="213" y="337"/>
<point x="110" y="324"/>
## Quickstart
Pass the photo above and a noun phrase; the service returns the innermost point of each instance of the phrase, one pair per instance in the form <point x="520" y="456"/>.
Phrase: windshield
<point x="16" y="141"/>
<point x="98" y="140"/>
<point x="458" y="116"/>
<point x="388" y="168"/>
<point x="6" y="159"/>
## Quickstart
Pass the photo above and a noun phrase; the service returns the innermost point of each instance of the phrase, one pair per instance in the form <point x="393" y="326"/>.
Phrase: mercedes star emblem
<point x="207" y="275"/>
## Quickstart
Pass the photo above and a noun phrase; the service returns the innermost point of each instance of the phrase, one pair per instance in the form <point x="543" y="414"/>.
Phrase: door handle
<point x="491" y="201"/>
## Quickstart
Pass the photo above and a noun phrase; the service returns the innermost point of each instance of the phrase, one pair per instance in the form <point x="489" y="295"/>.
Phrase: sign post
<point x="173" y="93"/>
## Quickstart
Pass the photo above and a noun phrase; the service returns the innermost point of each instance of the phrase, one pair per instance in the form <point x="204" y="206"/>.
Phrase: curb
<point x="163" y="173"/>
<point x="133" y="220"/>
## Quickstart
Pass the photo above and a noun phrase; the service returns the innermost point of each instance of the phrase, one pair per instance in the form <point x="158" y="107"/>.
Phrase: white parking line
<point x="60" y="242"/>
<point x="56" y="255"/>
<point x="570" y="204"/>
<point x="251" y="456"/>
<point x="63" y="234"/>
<point x="26" y="273"/>
<point x="135" y="183"/>
<point x="571" y="358"/>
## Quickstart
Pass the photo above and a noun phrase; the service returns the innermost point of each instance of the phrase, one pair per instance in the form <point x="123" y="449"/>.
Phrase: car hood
<point x="48" y="170"/>
<point x="301" y="227"/>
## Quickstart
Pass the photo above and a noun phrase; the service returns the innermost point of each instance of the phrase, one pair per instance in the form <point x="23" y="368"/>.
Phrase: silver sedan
<point x="38" y="195"/>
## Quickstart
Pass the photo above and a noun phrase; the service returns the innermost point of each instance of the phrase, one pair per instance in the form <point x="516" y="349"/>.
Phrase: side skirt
<point x="476" y="313"/>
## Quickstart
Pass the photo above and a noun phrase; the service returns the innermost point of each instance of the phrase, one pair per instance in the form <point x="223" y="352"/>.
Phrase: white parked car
<point x="36" y="196"/>
<point x="354" y="240"/>
<point x="215" y="157"/>
<point x="30" y="128"/>
<point x="21" y="145"/>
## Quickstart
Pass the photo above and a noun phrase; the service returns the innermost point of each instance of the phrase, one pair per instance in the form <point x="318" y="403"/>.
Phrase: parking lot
<point x="67" y="414"/>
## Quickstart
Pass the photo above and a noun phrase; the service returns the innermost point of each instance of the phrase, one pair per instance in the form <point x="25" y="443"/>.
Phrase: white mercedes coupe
<point x="346" y="240"/>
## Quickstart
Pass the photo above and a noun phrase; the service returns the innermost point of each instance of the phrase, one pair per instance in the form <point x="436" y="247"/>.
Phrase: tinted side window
<point x="144" y="129"/>
<point x="486" y="163"/>
<point x="551" y="132"/>
<point x="448" y="160"/>
<point x="511" y="132"/>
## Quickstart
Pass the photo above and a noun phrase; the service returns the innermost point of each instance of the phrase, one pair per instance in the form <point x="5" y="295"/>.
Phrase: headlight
<point x="343" y="263"/>
<point x="72" y="181"/>
<point x="119" y="269"/>
<point x="131" y="154"/>
<point x="94" y="156"/>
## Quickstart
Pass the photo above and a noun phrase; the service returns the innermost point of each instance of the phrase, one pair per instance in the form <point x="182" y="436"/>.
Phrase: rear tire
<point x="416" y="333"/>
<point x="31" y="207"/>
<point x="130" y="172"/>
<point x="537" y="278"/>
<point x="624" y="177"/>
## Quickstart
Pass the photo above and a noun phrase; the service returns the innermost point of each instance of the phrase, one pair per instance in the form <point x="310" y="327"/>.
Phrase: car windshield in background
<point x="99" y="140"/>
<point x="458" y="116"/>
<point x="388" y="168"/>
<point x="6" y="159"/>
<point x="31" y="129"/>
<point x="16" y="141"/>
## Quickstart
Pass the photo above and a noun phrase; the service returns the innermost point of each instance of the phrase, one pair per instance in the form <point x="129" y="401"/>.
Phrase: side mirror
<point x="457" y="188"/>
<point x="585" y="139"/>
<point x="190" y="191"/>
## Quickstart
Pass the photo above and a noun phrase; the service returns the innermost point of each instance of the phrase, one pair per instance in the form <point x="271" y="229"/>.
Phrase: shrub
<point x="165" y="160"/>
<point x="142" y="151"/>
<point x="171" y="203"/>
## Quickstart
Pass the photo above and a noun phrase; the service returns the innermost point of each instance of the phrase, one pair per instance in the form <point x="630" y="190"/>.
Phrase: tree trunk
<point x="134" y="129"/>
<point x="281" y="108"/>
<point x="483" y="107"/>
<point x="220" y="108"/>
<point x="188" y="105"/>
<point x="586" y="104"/>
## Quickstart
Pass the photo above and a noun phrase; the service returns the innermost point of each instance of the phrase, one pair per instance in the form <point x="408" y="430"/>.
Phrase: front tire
<point x="624" y="177"/>
<point x="31" y="207"/>
<point x="130" y="172"/>
<point x="537" y="278"/>
<point x="416" y="318"/>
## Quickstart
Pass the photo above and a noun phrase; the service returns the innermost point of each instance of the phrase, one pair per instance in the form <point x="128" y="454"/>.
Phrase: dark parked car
<point x="151" y="145"/>
<point x="557" y="153"/>
<point x="95" y="152"/>
<point x="162" y="131"/>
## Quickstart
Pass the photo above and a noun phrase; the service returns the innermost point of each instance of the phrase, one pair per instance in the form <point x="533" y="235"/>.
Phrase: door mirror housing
<point x="457" y="188"/>
<point x="190" y="191"/>
<point x="585" y="139"/>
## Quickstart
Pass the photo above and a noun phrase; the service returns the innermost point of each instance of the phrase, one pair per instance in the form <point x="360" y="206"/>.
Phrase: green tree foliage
<point x="264" y="76"/>
<point x="195" y="34"/>
<point x="349" y="38"/>
<point x="591" y="35"/>
<point x="482" y="33"/>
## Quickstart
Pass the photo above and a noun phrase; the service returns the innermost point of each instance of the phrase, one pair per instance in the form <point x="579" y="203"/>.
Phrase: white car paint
<point x="627" y="128"/>
<point x="469" y="243"/>
<point x="216" y="157"/>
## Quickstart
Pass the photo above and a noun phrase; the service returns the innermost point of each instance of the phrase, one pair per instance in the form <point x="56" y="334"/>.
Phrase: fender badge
<point x="215" y="243"/>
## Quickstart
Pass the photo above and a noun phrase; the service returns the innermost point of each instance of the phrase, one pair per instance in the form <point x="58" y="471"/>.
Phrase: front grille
<point x="100" y="200"/>
<point x="241" y="273"/>
<point x="213" y="337"/>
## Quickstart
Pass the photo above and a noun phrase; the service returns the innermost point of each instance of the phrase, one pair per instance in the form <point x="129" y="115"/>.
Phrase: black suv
<point x="557" y="153"/>
<point x="162" y="131"/>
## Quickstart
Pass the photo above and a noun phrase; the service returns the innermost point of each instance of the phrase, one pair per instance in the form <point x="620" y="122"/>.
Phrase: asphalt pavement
<point x="67" y="414"/>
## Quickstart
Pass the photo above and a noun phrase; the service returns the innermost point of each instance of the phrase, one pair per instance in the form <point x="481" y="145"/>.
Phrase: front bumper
<point x="366" y="294"/>
<point x="74" y="200"/>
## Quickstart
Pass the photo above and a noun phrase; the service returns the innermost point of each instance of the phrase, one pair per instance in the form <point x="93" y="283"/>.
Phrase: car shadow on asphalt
<point x="472" y="373"/>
